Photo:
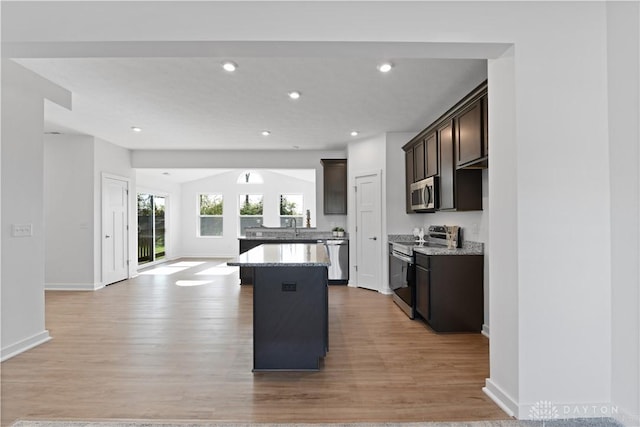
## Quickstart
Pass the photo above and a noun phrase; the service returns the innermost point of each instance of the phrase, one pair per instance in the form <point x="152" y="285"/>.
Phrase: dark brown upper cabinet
<point x="431" y="156"/>
<point x="470" y="139"/>
<point x="409" y="176"/>
<point x="447" y="169"/>
<point x="418" y="161"/>
<point x="459" y="189"/>
<point x="335" y="186"/>
<point x="453" y="148"/>
<point x="485" y="126"/>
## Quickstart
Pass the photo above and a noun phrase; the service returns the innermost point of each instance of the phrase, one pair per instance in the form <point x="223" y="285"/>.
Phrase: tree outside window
<point x="291" y="207"/>
<point x="251" y="211"/>
<point x="211" y="215"/>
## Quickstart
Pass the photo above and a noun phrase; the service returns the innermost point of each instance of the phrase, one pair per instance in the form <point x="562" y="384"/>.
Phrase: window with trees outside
<point x="251" y="210"/>
<point x="211" y="221"/>
<point x="291" y="208"/>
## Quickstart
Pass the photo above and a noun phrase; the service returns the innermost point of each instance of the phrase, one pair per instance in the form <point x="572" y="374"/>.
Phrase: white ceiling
<point x="191" y="103"/>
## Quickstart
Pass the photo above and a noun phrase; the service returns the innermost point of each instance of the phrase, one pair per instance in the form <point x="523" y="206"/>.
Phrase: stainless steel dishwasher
<point x="339" y="257"/>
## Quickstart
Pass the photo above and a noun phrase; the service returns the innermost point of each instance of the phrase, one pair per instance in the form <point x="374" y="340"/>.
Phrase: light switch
<point x="22" y="230"/>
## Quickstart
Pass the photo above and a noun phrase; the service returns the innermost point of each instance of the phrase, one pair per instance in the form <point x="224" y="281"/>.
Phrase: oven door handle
<point x="403" y="258"/>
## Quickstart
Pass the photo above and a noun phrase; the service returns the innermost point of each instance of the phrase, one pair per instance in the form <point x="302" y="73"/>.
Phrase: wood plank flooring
<point x="146" y="348"/>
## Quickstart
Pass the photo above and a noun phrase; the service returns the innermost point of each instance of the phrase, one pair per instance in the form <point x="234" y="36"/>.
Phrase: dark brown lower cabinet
<point x="449" y="292"/>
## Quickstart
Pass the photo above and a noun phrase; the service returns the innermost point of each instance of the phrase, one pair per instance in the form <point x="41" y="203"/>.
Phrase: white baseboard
<point x="24" y="345"/>
<point x="72" y="286"/>
<point x="501" y="398"/>
<point x="485" y="330"/>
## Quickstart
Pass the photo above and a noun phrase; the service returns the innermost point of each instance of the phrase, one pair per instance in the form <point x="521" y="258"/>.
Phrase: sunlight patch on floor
<point x="163" y="271"/>
<point x="192" y="282"/>
<point x="186" y="264"/>
<point x="218" y="270"/>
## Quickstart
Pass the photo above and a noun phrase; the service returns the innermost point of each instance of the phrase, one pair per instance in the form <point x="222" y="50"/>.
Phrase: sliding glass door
<point x="151" y="227"/>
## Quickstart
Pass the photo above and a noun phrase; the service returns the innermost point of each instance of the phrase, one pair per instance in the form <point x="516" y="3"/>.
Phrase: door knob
<point x="373" y="238"/>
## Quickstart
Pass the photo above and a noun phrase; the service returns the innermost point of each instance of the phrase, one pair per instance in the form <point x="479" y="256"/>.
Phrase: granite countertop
<point x="288" y="234"/>
<point x="284" y="255"/>
<point x="468" y="247"/>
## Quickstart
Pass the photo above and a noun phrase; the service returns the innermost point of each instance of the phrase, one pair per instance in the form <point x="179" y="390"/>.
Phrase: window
<point x="290" y="208"/>
<point x="210" y="215"/>
<point x="251" y="209"/>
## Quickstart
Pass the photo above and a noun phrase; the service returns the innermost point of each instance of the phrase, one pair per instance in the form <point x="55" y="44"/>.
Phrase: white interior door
<point x="115" y="225"/>
<point x="368" y="230"/>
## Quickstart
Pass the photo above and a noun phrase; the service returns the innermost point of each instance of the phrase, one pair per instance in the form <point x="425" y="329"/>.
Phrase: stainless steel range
<point x="402" y="272"/>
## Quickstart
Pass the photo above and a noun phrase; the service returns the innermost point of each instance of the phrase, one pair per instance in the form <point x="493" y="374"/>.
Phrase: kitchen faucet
<point x="295" y="226"/>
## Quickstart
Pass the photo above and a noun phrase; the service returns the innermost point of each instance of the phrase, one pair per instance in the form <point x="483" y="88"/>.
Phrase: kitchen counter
<point x="290" y="305"/>
<point x="284" y="255"/>
<point x="468" y="247"/>
<point x="264" y="233"/>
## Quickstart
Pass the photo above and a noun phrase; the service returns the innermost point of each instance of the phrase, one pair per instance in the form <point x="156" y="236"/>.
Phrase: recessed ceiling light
<point x="266" y="133"/>
<point x="229" y="66"/>
<point x="354" y="133"/>
<point x="136" y="129"/>
<point x="294" y="94"/>
<point x="385" y="67"/>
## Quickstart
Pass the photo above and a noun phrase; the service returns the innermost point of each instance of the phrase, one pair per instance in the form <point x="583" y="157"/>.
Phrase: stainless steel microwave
<point x="424" y="195"/>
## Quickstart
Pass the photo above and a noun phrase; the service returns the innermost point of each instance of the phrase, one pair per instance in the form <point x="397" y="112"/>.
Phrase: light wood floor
<point x="148" y="349"/>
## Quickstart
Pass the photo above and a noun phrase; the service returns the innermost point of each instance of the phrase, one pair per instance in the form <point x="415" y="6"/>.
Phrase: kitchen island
<point x="290" y="305"/>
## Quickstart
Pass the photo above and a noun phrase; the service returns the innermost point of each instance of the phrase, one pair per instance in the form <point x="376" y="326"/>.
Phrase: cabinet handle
<point x="106" y="236"/>
<point x="373" y="238"/>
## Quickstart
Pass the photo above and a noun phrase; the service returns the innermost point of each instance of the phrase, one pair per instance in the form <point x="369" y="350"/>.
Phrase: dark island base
<point x="290" y="318"/>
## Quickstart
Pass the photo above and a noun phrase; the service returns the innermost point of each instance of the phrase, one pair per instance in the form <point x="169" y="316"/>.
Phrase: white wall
<point x="272" y="159"/>
<point x="173" y="211"/>
<point x="68" y="211"/>
<point x="73" y="168"/>
<point x="115" y="161"/>
<point x="504" y="384"/>
<point x="558" y="296"/>
<point x="23" y="258"/>
<point x="366" y="156"/>
<point x="226" y="184"/>
<point x="624" y="136"/>
<point x="555" y="340"/>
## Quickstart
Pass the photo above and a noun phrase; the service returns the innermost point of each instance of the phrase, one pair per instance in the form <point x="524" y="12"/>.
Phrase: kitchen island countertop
<point x="284" y="255"/>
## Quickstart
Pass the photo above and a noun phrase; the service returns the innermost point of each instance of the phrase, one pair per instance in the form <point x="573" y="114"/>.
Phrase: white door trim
<point x="103" y="177"/>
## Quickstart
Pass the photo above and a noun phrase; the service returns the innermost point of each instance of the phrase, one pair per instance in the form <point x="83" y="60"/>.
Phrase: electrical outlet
<point x="475" y="228"/>
<point x="22" y="230"/>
